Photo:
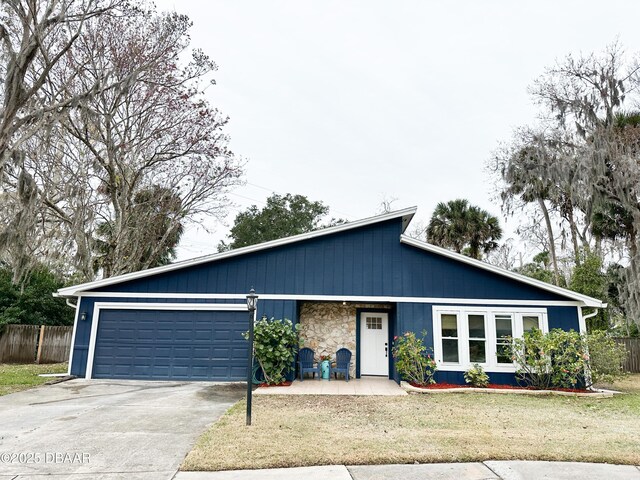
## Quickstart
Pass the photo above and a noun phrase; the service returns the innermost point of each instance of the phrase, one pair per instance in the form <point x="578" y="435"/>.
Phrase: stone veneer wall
<point x="325" y="327"/>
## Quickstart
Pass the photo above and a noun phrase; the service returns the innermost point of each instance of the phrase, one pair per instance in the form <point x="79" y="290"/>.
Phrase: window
<point x="450" y="353"/>
<point x="467" y="335"/>
<point x="477" y="339"/>
<point x="504" y="333"/>
<point x="529" y="322"/>
<point x="374" y="323"/>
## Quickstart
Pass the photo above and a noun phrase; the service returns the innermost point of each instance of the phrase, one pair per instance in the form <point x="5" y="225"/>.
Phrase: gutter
<point x="594" y="313"/>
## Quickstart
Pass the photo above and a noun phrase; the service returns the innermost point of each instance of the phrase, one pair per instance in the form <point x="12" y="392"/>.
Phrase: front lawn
<point x="16" y="377"/>
<point x="291" y="431"/>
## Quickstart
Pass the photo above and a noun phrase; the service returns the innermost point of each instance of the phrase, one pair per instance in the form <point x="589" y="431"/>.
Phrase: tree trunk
<point x="574" y="236"/>
<point x="552" y="243"/>
<point x="598" y="247"/>
<point x="633" y="242"/>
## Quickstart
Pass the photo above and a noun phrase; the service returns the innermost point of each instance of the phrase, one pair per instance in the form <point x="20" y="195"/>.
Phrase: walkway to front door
<point x="361" y="386"/>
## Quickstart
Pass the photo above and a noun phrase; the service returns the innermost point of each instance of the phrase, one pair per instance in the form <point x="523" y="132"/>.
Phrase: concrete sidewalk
<point x="490" y="470"/>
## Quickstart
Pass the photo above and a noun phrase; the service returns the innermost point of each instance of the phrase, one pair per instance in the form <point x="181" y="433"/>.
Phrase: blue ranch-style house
<point x="355" y="285"/>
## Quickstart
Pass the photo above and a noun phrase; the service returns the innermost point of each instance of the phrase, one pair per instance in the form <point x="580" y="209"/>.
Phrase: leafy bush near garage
<point x="557" y="359"/>
<point x="275" y="344"/>
<point x="413" y="362"/>
<point x="32" y="302"/>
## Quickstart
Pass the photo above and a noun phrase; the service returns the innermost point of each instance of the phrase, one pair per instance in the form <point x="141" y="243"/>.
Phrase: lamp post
<point x="252" y="302"/>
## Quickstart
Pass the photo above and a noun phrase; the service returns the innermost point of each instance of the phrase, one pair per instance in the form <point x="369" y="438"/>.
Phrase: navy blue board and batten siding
<point x="364" y="261"/>
<point x="368" y="261"/>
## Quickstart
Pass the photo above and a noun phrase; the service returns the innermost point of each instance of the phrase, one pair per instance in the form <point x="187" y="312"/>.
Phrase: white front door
<point x="374" y="343"/>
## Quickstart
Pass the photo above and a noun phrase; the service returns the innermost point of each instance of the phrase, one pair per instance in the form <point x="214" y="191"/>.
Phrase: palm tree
<point x="464" y="228"/>
<point x="148" y="238"/>
<point x="485" y="232"/>
<point x="525" y="177"/>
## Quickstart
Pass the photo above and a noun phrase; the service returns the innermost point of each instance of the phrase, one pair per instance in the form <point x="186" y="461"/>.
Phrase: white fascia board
<point x="406" y="214"/>
<point x="583" y="299"/>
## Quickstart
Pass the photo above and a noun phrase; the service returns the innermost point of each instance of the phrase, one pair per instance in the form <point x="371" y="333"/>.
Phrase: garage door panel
<point x="183" y="334"/>
<point x="201" y="352"/>
<point x="137" y="370"/>
<point x="202" y="372"/>
<point x="238" y="371"/>
<point x="144" y="351"/>
<point x="185" y="352"/>
<point x="145" y="334"/>
<point x="203" y="335"/>
<point x="121" y="369"/>
<point x="171" y="344"/>
<point x="165" y="334"/>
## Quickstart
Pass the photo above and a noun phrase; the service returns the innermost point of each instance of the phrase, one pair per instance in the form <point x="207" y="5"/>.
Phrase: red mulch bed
<point x="283" y="384"/>
<point x="441" y="386"/>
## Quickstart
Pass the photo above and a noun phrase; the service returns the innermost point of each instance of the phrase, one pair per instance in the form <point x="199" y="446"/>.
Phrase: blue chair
<point x="305" y="363"/>
<point x="343" y="363"/>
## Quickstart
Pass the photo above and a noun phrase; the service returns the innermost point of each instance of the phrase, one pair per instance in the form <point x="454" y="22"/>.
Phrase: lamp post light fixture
<point x="252" y="302"/>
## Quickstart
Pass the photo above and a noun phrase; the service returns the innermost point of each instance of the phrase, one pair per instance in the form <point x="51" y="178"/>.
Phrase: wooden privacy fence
<point x="33" y="343"/>
<point x="633" y="348"/>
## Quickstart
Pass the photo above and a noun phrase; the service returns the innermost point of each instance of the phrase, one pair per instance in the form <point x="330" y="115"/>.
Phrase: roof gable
<point x="370" y="257"/>
<point x="588" y="301"/>
<point x="405" y="215"/>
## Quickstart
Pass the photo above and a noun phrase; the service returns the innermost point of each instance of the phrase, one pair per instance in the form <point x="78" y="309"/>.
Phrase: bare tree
<point x="157" y="132"/>
<point x="34" y="36"/>
<point x="386" y="204"/>
<point x="115" y="179"/>
<point x="504" y="256"/>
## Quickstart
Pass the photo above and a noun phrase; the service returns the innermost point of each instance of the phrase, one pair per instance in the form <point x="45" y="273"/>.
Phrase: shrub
<point x="476" y="376"/>
<point x="32" y="303"/>
<point x="606" y="357"/>
<point x="413" y="363"/>
<point x="275" y="343"/>
<point x="557" y="359"/>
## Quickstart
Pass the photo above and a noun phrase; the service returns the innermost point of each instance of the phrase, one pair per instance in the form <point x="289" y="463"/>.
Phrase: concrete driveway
<point x="107" y="429"/>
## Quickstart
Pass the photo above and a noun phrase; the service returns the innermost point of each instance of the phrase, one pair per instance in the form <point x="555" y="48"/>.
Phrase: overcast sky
<point x="350" y="102"/>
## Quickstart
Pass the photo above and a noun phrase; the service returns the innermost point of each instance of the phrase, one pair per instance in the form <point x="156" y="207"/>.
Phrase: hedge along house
<point x="355" y="285"/>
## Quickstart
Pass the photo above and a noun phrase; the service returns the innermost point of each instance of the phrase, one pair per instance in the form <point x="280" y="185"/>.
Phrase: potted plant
<point x="325" y="363"/>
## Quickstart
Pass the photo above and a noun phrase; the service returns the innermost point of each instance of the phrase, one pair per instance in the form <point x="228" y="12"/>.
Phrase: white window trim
<point x="455" y="312"/>
<point x="491" y="365"/>
<point x="99" y="306"/>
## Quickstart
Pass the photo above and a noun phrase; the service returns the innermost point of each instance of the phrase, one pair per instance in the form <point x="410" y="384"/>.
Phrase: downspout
<point x="76" y="307"/>
<point x="66" y="300"/>
<point x="587" y="373"/>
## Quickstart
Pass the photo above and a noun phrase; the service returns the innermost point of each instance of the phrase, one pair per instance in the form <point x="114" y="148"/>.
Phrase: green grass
<point x="290" y="431"/>
<point x="14" y="378"/>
